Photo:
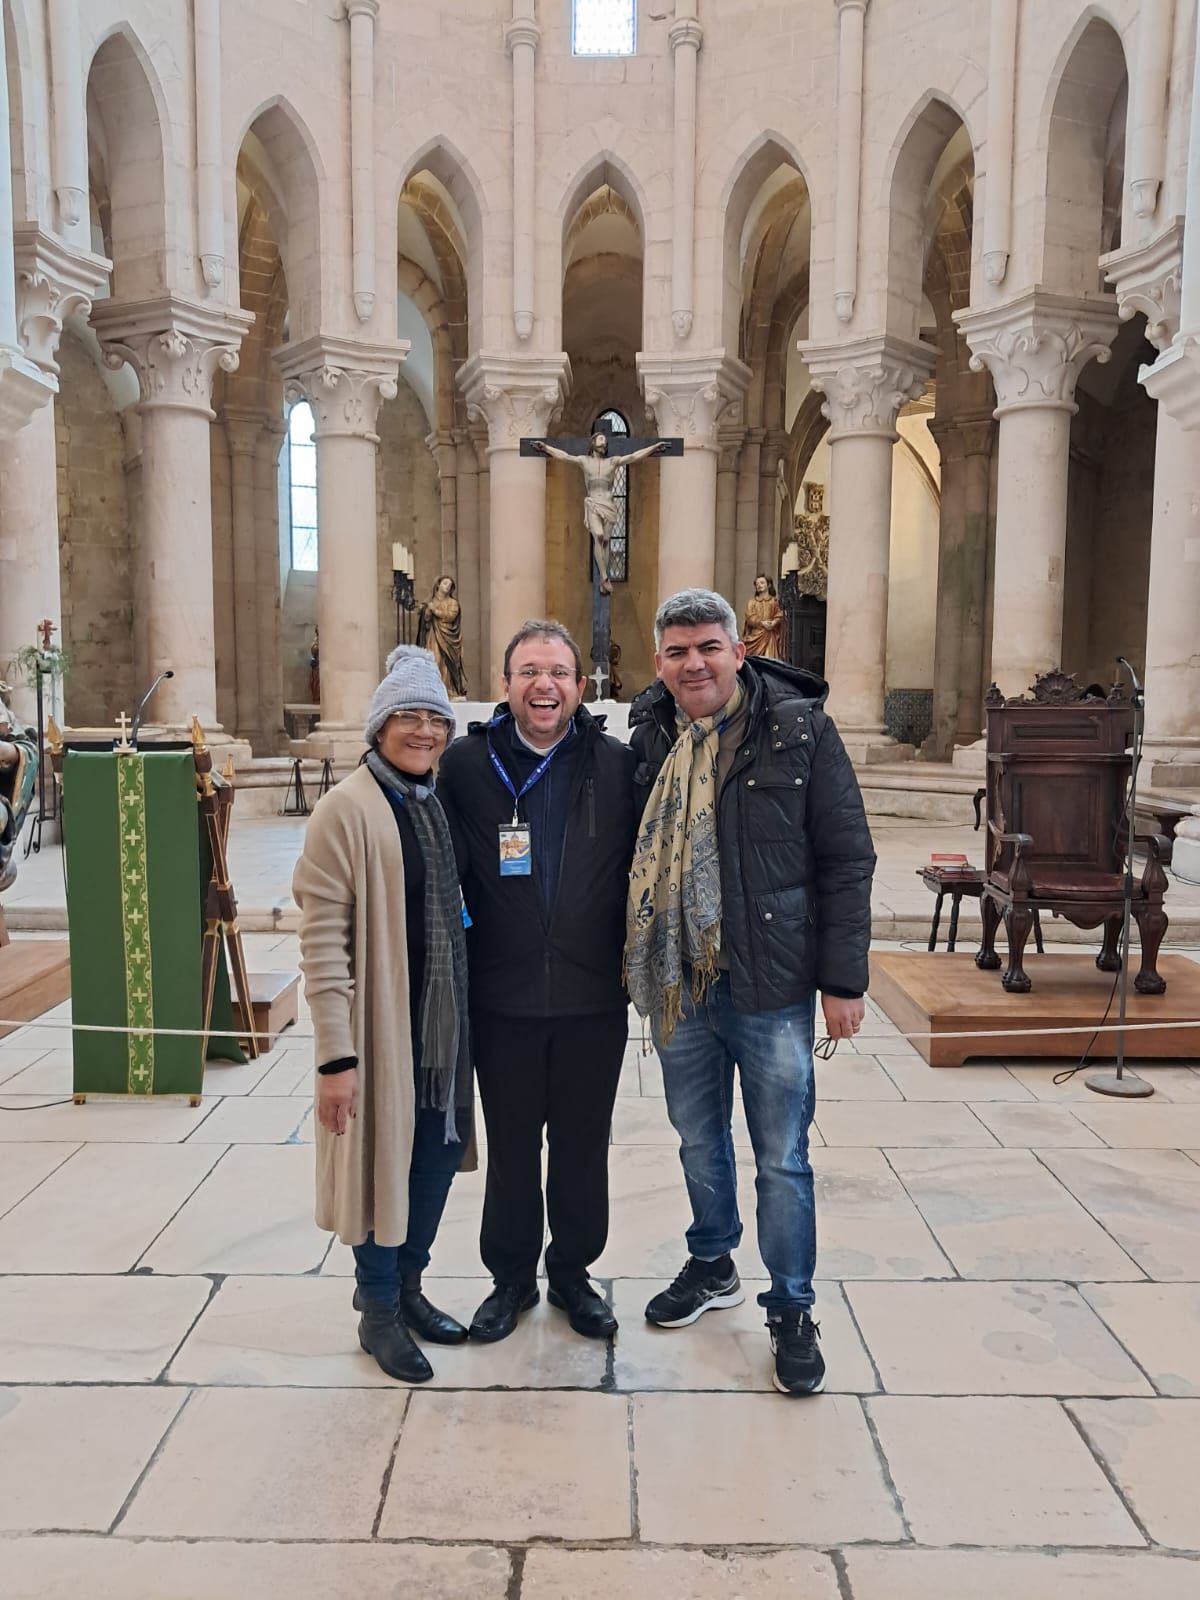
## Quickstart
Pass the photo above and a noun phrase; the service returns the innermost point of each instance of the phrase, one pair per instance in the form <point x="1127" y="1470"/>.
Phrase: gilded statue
<point x="439" y="630"/>
<point x="18" y="774"/>
<point x="763" y="622"/>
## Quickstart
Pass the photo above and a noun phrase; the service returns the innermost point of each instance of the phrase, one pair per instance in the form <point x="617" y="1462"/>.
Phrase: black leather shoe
<point x="587" y="1312"/>
<point x="425" y="1320"/>
<point x="382" y="1335"/>
<point x="497" y="1316"/>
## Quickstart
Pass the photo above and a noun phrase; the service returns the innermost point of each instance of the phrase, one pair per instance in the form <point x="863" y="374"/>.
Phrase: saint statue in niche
<point x="439" y="630"/>
<point x="600" y="509"/>
<point x="18" y="772"/>
<point x="763" y="621"/>
<point x="314" y="668"/>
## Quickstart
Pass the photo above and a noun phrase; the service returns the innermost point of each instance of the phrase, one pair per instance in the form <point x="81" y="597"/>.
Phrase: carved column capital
<point x="344" y="381"/>
<point x="685" y="31"/>
<point x="243" y="430"/>
<point x="362" y="8"/>
<point x="53" y="281"/>
<point x="866" y="381"/>
<point x="1036" y="346"/>
<point x="174" y="345"/>
<point x="730" y="435"/>
<point x="514" y="395"/>
<point x="1148" y="279"/>
<point x="691" y="395"/>
<point x="522" y="31"/>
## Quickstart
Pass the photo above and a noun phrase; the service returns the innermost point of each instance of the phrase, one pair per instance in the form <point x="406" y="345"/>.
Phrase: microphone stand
<point x="137" y="716"/>
<point x="1106" y="1081"/>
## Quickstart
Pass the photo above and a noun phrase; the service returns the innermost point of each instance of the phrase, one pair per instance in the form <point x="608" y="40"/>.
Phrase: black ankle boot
<point x="425" y="1320"/>
<point x="383" y="1335"/>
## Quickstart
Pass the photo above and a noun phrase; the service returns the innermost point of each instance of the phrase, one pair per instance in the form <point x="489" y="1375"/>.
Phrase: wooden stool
<point x="274" y="999"/>
<point x="957" y="885"/>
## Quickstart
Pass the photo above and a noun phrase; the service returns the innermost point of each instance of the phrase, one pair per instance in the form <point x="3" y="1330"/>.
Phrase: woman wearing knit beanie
<point x="385" y="974"/>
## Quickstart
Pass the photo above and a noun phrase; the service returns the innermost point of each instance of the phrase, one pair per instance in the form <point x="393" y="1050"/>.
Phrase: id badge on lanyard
<point x="516" y="844"/>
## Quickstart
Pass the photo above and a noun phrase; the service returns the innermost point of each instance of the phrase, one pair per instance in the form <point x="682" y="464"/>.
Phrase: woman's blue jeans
<point x="381" y="1270"/>
<point x="773" y="1053"/>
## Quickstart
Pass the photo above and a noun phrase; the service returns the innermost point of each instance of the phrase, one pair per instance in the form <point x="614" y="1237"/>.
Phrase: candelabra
<point x="404" y="594"/>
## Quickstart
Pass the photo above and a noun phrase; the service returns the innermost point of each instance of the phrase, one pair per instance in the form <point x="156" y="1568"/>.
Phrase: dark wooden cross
<point x="46" y="628"/>
<point x="619" y="445"/>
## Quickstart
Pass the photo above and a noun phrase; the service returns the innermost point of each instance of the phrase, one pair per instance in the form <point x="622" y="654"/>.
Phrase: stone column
<point x="865" y="382"/>
<point x="1002" y="79"/>
<point x="175" y="347"/>
<point x="361" y="15"/>
<point x="977" y="440"/>
<point x="768" y="552"/>
<point x="745" y="545"/>
<point x="242" y="432"/>
<point x="1147" y="280"/>
<point x="947" y="647"/>
<point x="270" y="662"/>
<point x="852" y="18"/>
<point x="478" y="434"/>
<point x="522" y="37"/>
<point x="729" y="439"/>
<point x="69" y="128"/>
<point x="52" y="281"/>
<point x="444" y="451"/>
<point x="515" y="395"/>
<point x="470" y="594"/>
<point x="1034" y="347"/>
<point x="1148" y="111"/>
<point x="685" y="36"/>
<point x="210" y="164"/>
<point x="23" y="386"/>
<point x="345" y="381"/>
<point x="690" y="396"/>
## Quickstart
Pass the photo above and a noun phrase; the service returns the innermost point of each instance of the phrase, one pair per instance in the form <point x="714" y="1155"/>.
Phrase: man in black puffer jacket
<point x="541" y="804"/>
<point x="750" y="891"/>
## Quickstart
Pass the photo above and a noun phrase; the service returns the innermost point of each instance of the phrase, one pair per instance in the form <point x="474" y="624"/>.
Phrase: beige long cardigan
<point x="349" y="885"/>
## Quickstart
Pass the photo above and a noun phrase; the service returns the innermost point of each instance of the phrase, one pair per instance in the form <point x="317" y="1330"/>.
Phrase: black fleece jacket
<point x="796" y="852"/>
<point x="550" y="944"/>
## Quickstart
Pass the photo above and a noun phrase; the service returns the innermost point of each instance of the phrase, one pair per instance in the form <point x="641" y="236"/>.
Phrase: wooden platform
<point x="35" y="976"/>
<point x="937" y="994"/>
<point x="274" y="999"/>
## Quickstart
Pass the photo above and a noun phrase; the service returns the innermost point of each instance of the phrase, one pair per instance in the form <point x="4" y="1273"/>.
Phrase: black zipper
<point x="591" y="797"/>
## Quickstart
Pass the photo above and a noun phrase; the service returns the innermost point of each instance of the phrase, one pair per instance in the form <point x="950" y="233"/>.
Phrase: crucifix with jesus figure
<point x="598" y="458"/>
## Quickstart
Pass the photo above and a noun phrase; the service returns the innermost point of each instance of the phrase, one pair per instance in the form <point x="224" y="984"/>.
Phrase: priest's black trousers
<point x="559" y="1074"/>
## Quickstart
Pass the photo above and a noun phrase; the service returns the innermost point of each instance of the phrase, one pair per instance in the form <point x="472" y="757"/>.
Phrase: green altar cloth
<point x="134" y="869"/>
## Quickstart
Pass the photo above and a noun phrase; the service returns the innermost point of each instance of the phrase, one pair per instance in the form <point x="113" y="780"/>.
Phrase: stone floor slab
<point x="233" y="1077"/>
<point x="45" y="1073"/>
<point x="100" y="1210"/>
<point x="139" y="1120"/>
<point x="1142" y="1125"/>
<point x="69" y="1457"/>
<point x="554" y="1465"/>
<point x="867" y="1226"/>
<point x="15" y="1058"/>
<point x="1148" y="1200"/>
<point x="1000" y="1574"/>
<point x="118" y="1329"/>
<point x="990" y="1338"/>
<point x="132" y="1569"/>
<point x="1000" y="1214"/>
<point x="997" y="1472"/>
<point x="1177" y="1085"/>
<point x="303" y="1332"/>
<point x="728" y="1349"/>
<point x="1159" y="1324"/>
<point x="976" y="1083"/>
<point x="254" y="1214"/>
<point x="249" y="1119"/>
<point x="24" y="1166"/>
<point x="905" y="1124"/>
<point x="270" y="1464"/>
<point x="1037" y="1126"/>
<point x="853" y="1078"/>
<point x="804" y="1471"/>
<point x="1152" y="1449"/>
<point x="674" y="1574"/>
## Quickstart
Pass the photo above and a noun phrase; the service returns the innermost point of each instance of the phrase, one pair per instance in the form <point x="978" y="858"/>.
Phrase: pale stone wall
<point x="406" y="491"/>
<point x="95" y="541"/>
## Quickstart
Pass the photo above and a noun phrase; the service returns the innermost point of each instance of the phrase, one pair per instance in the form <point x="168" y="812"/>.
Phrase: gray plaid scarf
<point x="445" y="1055"/>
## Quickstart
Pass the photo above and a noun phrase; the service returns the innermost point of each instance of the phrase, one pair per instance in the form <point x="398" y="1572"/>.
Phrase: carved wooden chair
<point x="1058" y="769"/>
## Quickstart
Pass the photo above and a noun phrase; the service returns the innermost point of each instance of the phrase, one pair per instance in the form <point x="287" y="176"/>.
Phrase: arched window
<point x="614" y="425"/>
<point x="302" y="486"/>
<point x="604" y="27"/>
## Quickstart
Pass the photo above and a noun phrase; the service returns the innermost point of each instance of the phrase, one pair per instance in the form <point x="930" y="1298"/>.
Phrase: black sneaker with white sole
<point x="701" y="1286"/>
<point x="795" y="1340"/>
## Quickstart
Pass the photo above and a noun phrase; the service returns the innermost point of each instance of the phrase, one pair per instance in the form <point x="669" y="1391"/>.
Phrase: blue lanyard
<point x="538" y="773"/>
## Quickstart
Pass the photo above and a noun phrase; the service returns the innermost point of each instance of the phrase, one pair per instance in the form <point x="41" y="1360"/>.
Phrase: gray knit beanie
<point x="412" y="682"/>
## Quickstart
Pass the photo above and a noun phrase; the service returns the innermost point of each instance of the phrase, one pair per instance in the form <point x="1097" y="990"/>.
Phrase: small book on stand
<point x="949" y="861"/>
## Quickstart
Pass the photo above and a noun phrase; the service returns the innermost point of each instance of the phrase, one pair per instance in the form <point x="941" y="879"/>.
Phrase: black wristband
<point x="342" y="1064"/>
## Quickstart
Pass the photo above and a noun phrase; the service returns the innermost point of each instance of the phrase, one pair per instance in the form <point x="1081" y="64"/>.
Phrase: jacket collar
<point x="767" y="683"/>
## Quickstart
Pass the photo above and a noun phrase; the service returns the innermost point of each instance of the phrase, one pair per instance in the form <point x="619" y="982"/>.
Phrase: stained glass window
<point x="604" y="27"/>
<point x="302" y="486"/>
<point x="614" y="425"/>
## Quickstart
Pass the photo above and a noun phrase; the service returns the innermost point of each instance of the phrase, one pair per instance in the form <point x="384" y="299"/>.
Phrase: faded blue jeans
<point x="773" y="1053"/>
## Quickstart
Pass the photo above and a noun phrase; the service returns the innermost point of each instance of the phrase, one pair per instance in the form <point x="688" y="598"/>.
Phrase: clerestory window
<point x="614" y="425"/>
<point x="302" y="487"/>
<point x="604" y="27"/>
